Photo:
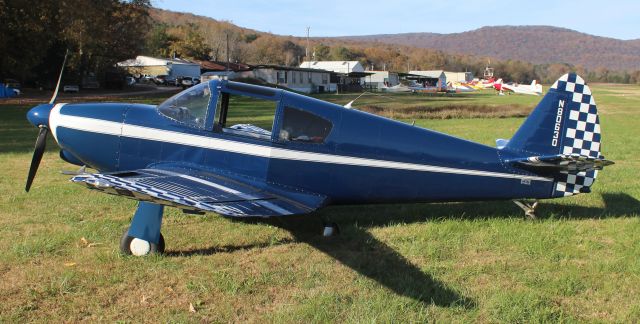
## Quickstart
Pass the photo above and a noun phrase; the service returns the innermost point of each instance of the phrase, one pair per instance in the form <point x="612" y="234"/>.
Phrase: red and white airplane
<point x="486" y="84"/>
<point x="532" y="89"/>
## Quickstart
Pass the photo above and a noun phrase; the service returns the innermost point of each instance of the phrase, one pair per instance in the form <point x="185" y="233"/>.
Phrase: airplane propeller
<point x="41" y="144"/>
<point x="41" y="141"/>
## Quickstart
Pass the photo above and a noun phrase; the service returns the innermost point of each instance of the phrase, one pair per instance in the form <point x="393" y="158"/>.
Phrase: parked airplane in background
<point x="395" y="88"/>
<point x="421" y="88"/>
<point x="459" y="87"/>
<point x="480" y="84"/>
<point x="533" y="89"/>
<point x="498" y="86"/>
<point x="187" y="153"/>
<point x="487" y="84"/>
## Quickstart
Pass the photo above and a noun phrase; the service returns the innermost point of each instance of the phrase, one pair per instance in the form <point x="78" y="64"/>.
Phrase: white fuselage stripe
<point x="54" y="119"/>
<point x="160" y="135"/>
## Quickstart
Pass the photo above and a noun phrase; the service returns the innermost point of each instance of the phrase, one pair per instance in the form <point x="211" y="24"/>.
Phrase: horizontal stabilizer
<point x="553" y="163"/>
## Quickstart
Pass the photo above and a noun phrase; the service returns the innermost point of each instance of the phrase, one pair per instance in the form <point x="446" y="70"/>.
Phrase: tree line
<point x="99" y="33"/>
<point x="34" y="36"/>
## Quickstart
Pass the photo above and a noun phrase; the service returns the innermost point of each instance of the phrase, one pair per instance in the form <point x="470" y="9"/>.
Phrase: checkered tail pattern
<point x="582" y="134"/>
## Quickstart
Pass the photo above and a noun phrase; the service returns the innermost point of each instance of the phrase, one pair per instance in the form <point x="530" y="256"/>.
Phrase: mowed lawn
<point x="457" y="262"/>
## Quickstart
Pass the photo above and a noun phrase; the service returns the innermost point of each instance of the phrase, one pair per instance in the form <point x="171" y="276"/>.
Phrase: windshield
<point x="189" y="107"/>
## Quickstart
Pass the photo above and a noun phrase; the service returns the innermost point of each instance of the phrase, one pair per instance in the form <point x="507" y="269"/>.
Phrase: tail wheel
<point x="130" y="245"/>
<point x="330" y="229"/>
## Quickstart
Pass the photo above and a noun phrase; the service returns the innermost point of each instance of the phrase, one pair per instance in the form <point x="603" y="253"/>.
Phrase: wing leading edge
<point x="197" y="191"/>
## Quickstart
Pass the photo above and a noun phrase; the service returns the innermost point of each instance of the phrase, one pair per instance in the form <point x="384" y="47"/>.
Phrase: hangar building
<point x="173" y="68"/>
<point x="434" y="78"/>
<point x="458" y="76"/>
<point x="298" y="79"/>
<point x="348" y="75"/>
<point x="380" y="79"/>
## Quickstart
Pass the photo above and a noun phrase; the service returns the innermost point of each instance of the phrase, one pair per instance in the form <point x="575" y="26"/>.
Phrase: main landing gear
<point x="143" y="236"/>
<point x="529" y="209"/>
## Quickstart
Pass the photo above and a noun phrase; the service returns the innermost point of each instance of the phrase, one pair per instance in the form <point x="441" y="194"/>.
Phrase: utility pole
<point x="306" y="50"/>
<point x="227" y="34"/>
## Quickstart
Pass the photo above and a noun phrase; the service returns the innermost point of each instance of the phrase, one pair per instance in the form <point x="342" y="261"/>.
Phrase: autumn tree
<point x="273" y="50"/>
<point x="341" y="53"/>
<point x="159" y="41"/>
<point x="26" y="34"/>
<point x="189" y="42"/>
<point x="220" y="38"/>
<point x="35" y="35"/>
<point x="321" y="52"/>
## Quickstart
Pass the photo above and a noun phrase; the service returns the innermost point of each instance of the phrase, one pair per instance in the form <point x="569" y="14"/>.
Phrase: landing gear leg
<point x="143" y="236"/>
<point x="330" y="229"/>
<point x="529" y="209"/>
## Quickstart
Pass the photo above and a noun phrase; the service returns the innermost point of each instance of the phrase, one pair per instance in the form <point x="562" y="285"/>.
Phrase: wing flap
<point x="197" y="191"/>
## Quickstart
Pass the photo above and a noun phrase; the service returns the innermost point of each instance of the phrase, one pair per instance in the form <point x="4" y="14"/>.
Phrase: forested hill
<point x="33" y="40"/>
<point x="516" y="52"/>
<point x="207" y="24"/>
<point x="535" y="44"/>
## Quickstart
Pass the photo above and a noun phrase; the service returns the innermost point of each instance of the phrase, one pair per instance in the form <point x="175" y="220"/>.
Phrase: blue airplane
<point x="184" y="153"/>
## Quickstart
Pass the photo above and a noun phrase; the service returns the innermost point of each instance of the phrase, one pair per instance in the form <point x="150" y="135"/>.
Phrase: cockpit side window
<point x="188" y="107"/>
<point x="302" y="126"/>
<point x="245" y="115"/>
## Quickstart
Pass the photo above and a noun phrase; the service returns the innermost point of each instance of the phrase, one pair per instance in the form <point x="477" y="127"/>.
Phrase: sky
<point x="617" y="19"/>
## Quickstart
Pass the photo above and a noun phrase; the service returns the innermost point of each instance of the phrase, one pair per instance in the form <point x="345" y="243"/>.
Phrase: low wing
<point x="562" y="162"/>
<point x="512" y="88"/>
<point x="524" y="89"/>
<point x="197" y="191"/>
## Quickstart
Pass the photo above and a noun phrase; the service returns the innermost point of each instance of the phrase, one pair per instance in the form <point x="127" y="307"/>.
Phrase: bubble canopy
<point x="189" y="107"/>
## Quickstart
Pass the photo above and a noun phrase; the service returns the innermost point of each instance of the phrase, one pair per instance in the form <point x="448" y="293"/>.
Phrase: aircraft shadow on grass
<point x="357" y="249"/>
<point x="362" y="252"/>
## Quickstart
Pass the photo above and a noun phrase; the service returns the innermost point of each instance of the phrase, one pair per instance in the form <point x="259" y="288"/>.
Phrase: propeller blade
<point x="41" y="143"/>
<point x="55" y="93"/>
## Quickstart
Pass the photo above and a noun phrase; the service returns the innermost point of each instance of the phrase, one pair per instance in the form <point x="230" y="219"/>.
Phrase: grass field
<point x="458" y="262"/>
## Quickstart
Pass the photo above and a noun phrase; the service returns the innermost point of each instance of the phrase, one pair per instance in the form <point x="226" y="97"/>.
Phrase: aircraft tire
<point x="130" y="245"/>
<point x="330" y="229"/>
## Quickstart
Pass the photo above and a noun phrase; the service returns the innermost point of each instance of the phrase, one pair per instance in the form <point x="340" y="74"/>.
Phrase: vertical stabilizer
<point x="565" y="123"/>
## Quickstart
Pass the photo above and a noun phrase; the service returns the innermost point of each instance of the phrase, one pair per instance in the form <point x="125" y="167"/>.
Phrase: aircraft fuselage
<point x="364" y="159"/>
